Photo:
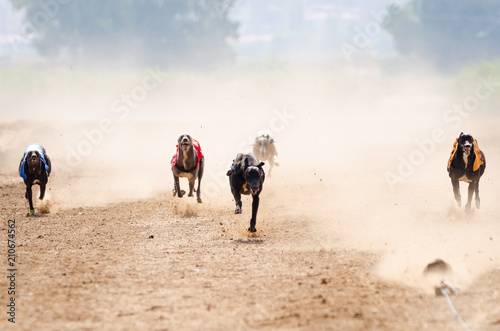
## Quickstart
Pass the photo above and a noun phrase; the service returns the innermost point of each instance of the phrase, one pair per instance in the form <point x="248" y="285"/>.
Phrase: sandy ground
<point x="337" y="246"/>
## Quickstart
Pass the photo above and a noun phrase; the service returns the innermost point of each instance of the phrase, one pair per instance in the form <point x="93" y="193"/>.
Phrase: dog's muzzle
<point x="255" y="190"/>
<point x="467" y="148"/>
<point x="185" y="145"/>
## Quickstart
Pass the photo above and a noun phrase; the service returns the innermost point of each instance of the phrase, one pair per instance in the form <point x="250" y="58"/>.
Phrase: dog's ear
<point x="271" y="140"/>
<point x="246" y="163"/>
<point x="261" y="165"/>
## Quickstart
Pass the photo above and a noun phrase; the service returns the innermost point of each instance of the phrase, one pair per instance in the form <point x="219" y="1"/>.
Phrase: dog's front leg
<point x="456" y="191"/>
<point x="478" y="200"/>
<point x="469" y="195"/>
<point x="177" y="188"/>
<point x="255" y="208"/>
<point x="29" y="196"/>
<point x="237" y="200"/>
<point x="191" y="187"/>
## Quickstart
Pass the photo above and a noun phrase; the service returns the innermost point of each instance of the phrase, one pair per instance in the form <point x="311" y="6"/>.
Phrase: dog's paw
<point x="199" y="200"/>
<point x="174" y="192"/>
<point x="237" y="210"/>
<point x="40" y="199"/>
<point x="252" y="229"/>
<point x="32" y="212"/>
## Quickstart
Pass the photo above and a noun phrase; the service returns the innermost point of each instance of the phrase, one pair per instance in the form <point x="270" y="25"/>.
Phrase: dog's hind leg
<point x="478" y="200"/>
<point x="469" y="196"/>
<point x="200" y="175"/>
<point x="456" y="191"/>
<point x="271" y="165"/>
<point x="255" y="208"/>
<point x="174" y="190"/>
<point x="273" y="155"/>
<point x="49" y="164"/>
<point x="29" y="196"/>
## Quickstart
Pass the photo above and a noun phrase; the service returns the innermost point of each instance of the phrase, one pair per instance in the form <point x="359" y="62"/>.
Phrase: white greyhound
<point x="265" y="150"/>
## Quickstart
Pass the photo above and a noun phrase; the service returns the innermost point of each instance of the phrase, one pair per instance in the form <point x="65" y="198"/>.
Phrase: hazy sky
<point x="281" y="28"/>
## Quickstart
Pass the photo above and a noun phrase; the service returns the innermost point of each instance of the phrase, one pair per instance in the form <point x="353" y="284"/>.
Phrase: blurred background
<point x="444" y="34"/>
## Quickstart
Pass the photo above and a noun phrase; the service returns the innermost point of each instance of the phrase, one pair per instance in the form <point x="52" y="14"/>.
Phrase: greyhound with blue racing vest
<point x="35" y="168"/>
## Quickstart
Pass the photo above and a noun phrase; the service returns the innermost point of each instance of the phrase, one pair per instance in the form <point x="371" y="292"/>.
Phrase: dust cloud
<point x="340" y="133"/>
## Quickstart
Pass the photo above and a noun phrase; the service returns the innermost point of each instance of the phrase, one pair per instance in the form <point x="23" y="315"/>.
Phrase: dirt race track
<point x="335" y="247"/>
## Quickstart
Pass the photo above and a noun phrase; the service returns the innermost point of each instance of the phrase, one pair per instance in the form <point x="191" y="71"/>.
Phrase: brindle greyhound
<point x="35" y="168"/>
<point x="467" y="163"/>
<point x="187" y="162"/>
<point x="247" y="176"/>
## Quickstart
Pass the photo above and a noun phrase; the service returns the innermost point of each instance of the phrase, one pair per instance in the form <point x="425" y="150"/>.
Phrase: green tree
<point x="447" y="33"/>
<point x="166" y="32"/>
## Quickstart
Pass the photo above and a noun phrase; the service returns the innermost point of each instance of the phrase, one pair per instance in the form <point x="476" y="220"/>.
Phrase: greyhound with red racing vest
<point x="188" y="162"/>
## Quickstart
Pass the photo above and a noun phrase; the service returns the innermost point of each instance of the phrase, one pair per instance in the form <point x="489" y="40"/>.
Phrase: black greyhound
<point x="466" y="163"/>
<point x="35" y="168"/>
<point x="187" y="162"/>
<point x="247" y="176"/>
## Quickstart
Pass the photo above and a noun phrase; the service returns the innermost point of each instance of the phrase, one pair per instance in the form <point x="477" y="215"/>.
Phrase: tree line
<point x="448" y="34"/>
<point x="161" y="32"/>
